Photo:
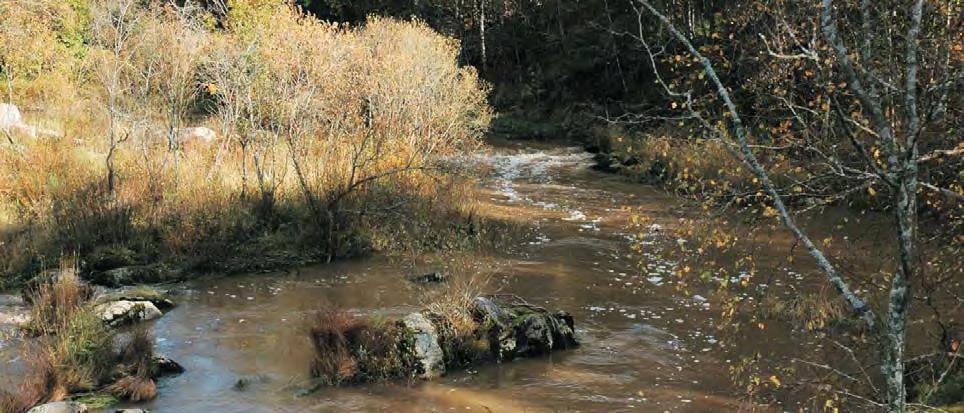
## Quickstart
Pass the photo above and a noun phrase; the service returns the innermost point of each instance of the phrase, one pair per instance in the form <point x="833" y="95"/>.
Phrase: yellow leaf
<point x="775" y="381"/>
<point x="871" y="191"/>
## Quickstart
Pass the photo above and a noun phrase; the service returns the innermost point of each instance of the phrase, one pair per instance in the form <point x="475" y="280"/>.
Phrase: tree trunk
<point x="482" y="32"/>
<point x="906" y="215"/>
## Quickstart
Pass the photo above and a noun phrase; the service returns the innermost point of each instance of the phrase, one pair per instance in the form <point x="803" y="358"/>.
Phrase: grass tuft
<point x="353" y="349"/>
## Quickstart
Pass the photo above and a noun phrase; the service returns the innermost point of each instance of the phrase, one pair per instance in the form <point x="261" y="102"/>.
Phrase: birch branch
<point x="856" y="303"/>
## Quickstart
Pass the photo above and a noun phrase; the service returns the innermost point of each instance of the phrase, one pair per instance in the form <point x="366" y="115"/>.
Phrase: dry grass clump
<point x="136" y="360"/>
<point x="351" y="349"/>
<point x="809" y="311"/>
<point x="32" y="390"/>
<point x="450" y="308"/>
<point x="74" y="350"/>
<point x="56" y="299"/>
<point x="133" y="388"/>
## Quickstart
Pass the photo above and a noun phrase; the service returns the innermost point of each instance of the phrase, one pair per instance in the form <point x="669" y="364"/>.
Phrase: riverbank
<point x="233" y="163"/>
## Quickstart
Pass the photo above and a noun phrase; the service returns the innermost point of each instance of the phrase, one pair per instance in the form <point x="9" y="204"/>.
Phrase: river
<point x="645" y="344"/>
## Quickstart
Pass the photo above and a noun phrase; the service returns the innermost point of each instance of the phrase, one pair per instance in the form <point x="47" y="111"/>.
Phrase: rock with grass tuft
<point x="425" y="344"/>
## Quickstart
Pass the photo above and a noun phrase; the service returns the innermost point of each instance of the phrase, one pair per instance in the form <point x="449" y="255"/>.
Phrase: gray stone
<point x="164" y="366"/>
<point x="502" y="337"/>
<point x="535" y="336"/>
<point x="428" y="352"/>
<point x="13" y="311"/>
<point x="122" y="312"/>
<point x="10" y="116"/>
<point x="159" y="298"/>
<point x="131" y="411"/>
<point x="59" y="407"/>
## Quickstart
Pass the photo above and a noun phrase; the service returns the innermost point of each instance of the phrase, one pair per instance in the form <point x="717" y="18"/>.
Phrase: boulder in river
<point x="123" y="312"/>
<point x="246" y="382"/>
<point x="159" y="298"/>
<point x="523" y="330"/>
<point x="164" y="366"/>
<point x="59" y="407"/>
<point x="424" y="344"/>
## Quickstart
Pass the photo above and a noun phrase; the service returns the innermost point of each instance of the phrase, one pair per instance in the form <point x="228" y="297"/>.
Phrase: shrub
<point x="328" y="134"/>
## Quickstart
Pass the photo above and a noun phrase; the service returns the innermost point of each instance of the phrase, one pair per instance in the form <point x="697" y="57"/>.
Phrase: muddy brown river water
<point x="646" y="347"/>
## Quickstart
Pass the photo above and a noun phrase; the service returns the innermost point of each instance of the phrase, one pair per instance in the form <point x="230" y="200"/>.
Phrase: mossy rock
<point x="113" y="256"/>
<point x="133" y="275"/>
<point x="516" y="329"/>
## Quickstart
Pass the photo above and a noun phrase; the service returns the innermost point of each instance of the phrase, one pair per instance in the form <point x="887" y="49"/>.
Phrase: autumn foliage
<point x="320" y="126"/>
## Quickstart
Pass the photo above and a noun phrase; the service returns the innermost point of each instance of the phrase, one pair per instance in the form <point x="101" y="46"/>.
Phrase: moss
<point x="951" y="392"/>
<point x="95" y="401"/>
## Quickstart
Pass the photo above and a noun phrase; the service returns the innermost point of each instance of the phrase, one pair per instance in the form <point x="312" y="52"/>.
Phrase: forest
<point x="505" y="205"/>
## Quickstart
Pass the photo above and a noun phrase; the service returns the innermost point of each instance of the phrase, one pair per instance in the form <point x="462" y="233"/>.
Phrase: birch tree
<point x="886" y="111"/>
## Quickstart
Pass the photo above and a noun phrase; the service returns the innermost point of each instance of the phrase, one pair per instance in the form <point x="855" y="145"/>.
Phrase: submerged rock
<point x="245" y="382"/>
<point x="164" y="366"/>
<point x="60" y="407"/>
<point x="426" y="348"/>
<point x="123" y="312"/>
<point x="430" y="278"/>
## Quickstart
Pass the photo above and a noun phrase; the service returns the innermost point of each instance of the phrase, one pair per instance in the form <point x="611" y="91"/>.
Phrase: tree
<point x="115" y="40"/>
<point x="883" y="107"/>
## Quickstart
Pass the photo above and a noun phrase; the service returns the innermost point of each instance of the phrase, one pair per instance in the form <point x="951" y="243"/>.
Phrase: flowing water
<point x="645" y="346"/>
